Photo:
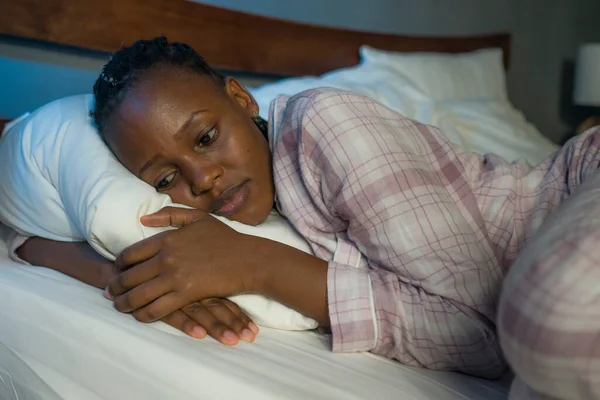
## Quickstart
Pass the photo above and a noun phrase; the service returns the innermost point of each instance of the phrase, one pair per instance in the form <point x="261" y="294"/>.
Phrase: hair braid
<point x="126" y="67"/>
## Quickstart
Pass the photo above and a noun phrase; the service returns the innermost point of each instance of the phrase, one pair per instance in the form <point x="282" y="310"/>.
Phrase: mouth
<point x="231" y="201"/>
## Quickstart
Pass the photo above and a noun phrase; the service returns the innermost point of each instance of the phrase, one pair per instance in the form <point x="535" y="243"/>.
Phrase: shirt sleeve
<point x="13" y="241"/>
<point x="397" y="191"/>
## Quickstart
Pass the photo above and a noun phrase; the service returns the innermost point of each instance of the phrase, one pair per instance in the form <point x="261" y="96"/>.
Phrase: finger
<point x="215" y="328"/>
<point x="238" y="311"/>
<point x="172" y="216"/>
<point x="143" y="296"/>
<point x="228" y="317"/>
<point x="131" y="278"/>
<point x="160" y="308"/>
<point x="140" y="251"/>
<point x="179" y="320"/>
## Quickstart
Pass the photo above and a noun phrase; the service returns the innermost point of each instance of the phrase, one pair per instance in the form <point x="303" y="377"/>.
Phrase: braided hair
<point x="126" y="68"/>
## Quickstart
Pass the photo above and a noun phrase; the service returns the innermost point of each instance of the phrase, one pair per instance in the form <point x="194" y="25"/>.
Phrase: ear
<point x="240" y="95"/>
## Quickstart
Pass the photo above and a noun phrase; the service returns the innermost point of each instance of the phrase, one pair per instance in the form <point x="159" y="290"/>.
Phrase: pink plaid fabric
<point x="549" y="312"/>
<point x="419" y="235"/>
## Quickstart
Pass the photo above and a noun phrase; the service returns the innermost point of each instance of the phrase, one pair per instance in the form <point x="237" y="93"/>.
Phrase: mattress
<point x="60" y="339"/>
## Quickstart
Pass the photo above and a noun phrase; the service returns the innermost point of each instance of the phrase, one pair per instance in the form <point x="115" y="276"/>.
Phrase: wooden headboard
<point x="229" y="40"/>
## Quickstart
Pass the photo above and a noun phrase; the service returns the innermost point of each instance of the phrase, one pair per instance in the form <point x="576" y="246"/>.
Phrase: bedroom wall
<point x="545" y="33"/>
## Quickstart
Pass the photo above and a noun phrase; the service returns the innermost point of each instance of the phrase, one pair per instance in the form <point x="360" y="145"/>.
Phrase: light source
<point x="587" y="83"/>
<point x="587" y="75"/>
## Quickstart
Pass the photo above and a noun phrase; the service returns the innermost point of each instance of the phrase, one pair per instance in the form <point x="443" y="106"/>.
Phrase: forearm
<point x="77" y="260"/>
<point x="294" y="278"/>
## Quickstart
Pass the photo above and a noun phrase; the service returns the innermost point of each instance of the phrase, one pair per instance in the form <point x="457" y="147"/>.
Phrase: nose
<point x="203" y="176"/>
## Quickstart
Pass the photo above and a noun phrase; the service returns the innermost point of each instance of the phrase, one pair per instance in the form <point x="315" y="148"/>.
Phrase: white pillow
<point x="435" y="89"/>
<point x="379" y="83"/>
<point x="61" y="182"/>
<point x="488" y="126"/>
<point x="477" y="75"/>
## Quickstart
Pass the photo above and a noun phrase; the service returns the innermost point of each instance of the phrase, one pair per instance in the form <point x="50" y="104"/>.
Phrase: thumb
<point x="172" y="216"/>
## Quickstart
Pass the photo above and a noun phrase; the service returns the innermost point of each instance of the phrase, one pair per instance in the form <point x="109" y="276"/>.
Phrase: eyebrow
<point x="177" y="136"/>
<point x="147" y="165"/>
<point x="187" y="123"/>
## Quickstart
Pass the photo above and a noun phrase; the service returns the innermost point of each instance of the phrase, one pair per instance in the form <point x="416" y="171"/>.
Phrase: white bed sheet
<point x="60" y="339"/>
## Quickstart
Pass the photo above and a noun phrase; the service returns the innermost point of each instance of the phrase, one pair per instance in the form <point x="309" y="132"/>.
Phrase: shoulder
<point x="325" y="101"/>
<point x="329" y="117"/>
<point x="327" y="114"/>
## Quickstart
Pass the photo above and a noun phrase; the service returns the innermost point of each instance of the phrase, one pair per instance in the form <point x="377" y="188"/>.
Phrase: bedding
<point x="477" y="75"/>
<point x="76" y="346"/>
<point x="18" y="381"/>
<point x="463" y="94"/>
<point x="56" y="154"/>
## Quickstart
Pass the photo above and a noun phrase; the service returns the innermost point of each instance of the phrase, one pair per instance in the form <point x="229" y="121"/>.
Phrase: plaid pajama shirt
<point x="419" y="235"/>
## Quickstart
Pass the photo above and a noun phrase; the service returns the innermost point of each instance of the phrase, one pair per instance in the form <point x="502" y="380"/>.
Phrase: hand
<point x="221" y="319"/>
<point x="173" y="269"/>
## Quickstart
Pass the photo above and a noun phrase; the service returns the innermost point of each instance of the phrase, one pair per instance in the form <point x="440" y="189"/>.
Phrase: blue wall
<point x="32" y="75"/>
<point x="28" y="84"/>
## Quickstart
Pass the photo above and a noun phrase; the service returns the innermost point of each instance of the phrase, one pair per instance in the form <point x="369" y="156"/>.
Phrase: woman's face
<point x="195" y="141"/>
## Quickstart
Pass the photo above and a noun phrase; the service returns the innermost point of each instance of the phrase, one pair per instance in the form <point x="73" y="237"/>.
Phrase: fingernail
<point x="107" y="294"/>
<point x="253" y="327"/>
<point x="247" y="335"/>
<point x="198" y="332"/>
<point x="229" y="336"/>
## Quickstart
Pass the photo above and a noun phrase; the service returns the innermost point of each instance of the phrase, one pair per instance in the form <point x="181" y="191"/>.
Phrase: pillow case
<point x="488" y="126"/>
<point x="380" y="84"/>
<point x="446" y="76"/>
<point x="61" y="182"/>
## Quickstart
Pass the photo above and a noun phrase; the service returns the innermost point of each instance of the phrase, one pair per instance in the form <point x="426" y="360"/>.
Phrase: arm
<point x="77" y="260"/>
<point x="82" y="262"/>
<point x="293" y="277"/>
<point x="427" y="280"/>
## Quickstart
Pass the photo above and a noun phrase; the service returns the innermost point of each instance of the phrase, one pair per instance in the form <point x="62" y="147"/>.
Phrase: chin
<point x="252" y="217"/>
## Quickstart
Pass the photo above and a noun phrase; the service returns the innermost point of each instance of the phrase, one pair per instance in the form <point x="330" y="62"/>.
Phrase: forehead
<point x="167" y="92"/>
<point x="156" y="108"/>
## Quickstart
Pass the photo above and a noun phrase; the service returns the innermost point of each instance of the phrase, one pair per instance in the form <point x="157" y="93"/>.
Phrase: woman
<point x="412" y="237"/>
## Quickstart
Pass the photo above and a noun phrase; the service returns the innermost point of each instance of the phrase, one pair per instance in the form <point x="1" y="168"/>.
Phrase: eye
<point x="207" y="138"/>
<point x="165" y="182"/>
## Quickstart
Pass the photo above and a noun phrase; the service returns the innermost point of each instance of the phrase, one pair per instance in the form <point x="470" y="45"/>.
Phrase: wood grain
<point x="228" y="39"/>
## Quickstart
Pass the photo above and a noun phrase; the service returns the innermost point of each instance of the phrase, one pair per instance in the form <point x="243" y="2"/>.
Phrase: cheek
<point x="238" y="151"/>
<point x="262" y="161"/>
<point x="253" y="148"/>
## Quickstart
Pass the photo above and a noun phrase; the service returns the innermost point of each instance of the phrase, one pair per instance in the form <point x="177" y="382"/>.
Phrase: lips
<point x="232" y="200"/>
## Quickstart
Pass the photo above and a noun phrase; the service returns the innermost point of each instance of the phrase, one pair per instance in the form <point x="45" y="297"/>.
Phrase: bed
<point x="60" y="339"/>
